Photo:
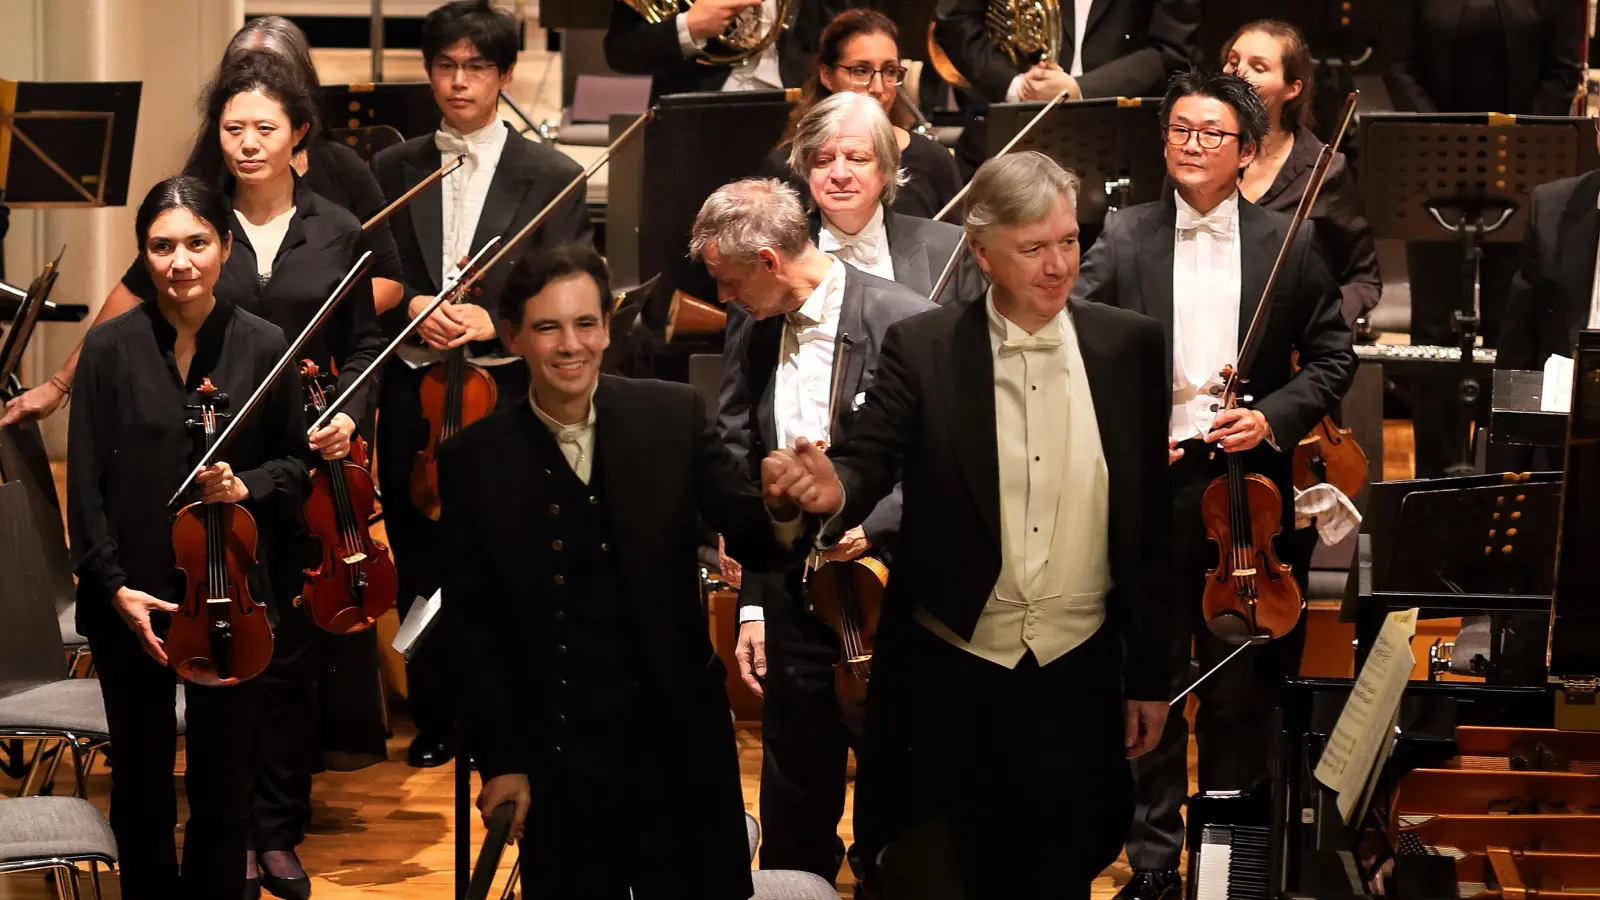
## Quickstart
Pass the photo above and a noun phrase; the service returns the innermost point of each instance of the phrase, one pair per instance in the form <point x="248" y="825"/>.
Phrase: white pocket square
<point x="860" y="399"/>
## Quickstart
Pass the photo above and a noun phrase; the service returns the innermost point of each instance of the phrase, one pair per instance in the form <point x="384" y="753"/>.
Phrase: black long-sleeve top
<point x="338" y="174"/>
<point x="128" y="449"/>
<point x="1511" y="56"/>
<point x="323" y="241"/>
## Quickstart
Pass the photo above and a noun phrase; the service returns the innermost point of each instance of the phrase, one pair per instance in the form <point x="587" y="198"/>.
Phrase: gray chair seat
<point x="44" y="828"/>
<point x="786" y="885"/>
<point x="71" y="706"/>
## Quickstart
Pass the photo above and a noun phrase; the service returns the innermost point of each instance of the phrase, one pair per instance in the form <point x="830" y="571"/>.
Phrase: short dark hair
<point x="490" y="30"/>
<point x="1297" y="66"/>
<point x="1232" y="90"/>
<point x="183" y="192"/>
<point x="542" y="265"/>
<point x="254" y="70"/>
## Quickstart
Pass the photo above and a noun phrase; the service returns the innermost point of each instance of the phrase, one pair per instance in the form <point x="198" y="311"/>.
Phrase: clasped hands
<point x="803" y="477"/>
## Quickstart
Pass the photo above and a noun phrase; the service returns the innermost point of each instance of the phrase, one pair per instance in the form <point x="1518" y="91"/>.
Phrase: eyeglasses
<point x="1209" y="138"/>
<point x="861" y="74"/>
<point x="474" y="69"/>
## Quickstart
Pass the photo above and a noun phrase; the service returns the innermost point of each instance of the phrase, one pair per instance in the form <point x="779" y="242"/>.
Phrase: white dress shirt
<point x="1205" y="313"/>
<point x="867" y="249"/>
<point x="758" y="73"/>
<point x="1054" y="502"/>
<point x="465" y="189"/>
<point x="576" y="441"/>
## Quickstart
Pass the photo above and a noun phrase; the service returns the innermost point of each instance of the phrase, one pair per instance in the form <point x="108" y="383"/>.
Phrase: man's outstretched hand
<point x="803" y="477"/>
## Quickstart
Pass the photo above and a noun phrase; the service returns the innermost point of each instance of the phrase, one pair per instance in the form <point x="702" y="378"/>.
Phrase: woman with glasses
<point x="859" y="53"/>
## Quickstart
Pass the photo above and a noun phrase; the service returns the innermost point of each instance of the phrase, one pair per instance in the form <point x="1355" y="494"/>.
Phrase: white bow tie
<point x="454" y="144"/>
<point x="861" y="247"/>
<point x="1028" y="344"/>
<point x="1217" y="224"/>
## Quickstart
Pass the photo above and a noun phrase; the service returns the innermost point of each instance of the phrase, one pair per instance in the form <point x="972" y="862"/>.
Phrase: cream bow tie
<point x="1024" y="345"/>
<point x="454" y="144"/>
<point x="1215" y="224"/>
<point x="800" y="323"/>
<point x="861" y="246"/>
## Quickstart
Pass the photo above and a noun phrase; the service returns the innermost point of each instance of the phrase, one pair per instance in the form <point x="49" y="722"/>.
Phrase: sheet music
<point x="1366" y="724"/>
<point x="1556" y="396"/>
<point x="416" y="625"/>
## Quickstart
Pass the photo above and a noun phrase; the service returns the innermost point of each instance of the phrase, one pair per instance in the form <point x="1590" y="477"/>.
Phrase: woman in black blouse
<point x="1273" y="57"/>
<point x="128" y="448"/>
<point x="859" y="53"/>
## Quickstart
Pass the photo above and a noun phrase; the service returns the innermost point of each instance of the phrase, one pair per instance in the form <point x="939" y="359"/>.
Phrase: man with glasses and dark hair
<point x="1220" y="249"/>
<point x="470" y="50"/>
<point x="671" y="51"/>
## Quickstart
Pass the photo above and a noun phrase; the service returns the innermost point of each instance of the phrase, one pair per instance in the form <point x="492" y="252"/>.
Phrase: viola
<point x="354" y="581"/>
<point x="849" y="597"/>
<point x="1330" y="454"/>
<point x="453" y="396"/>
<point x="220" y="636"/>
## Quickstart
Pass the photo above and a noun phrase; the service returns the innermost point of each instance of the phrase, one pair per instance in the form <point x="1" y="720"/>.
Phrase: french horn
<point x="750" y="32"/>
<point x="1026" y="31"/>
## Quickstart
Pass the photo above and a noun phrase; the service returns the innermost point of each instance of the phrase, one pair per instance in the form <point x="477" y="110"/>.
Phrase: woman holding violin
<point x="143" y="378"/>
<point x="1199" y="261"/>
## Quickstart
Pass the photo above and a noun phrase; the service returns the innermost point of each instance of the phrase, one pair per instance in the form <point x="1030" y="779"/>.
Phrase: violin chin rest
<point x="1234" y="630"/>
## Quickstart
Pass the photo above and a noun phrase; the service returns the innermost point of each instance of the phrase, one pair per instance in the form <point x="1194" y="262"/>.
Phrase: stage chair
<point x="55" y="834"/>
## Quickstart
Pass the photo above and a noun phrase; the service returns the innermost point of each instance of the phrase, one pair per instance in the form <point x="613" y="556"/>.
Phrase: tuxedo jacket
<point x="1554" y="285"/>
<point x="636" y="47"/>
<point x="663" y="470"/>
<point x="1130" y="266"/>
<point x="1543" y="39"/>
<point x="929" y="423"/>
<point x="919" y="249"/>
<point x="747" y="419"/>
<point x="1130" y="48"/>
<point x="528" y="177"/>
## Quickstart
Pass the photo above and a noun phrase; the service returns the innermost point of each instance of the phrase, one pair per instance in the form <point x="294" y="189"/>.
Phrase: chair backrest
<point x="705" y="373"/>
<point x="596" y="98"/>
<point x="23" y="460"/>
<point x="30" y="642"/>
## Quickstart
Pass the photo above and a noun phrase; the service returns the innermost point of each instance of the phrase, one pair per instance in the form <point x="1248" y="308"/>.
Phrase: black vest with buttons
<point x="591" y="692"/>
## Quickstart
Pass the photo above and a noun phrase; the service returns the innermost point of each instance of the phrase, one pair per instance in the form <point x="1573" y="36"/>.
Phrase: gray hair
<point x="821" y="124"/>
<point x="279" y="37"/>
<point x="1016" y="189"/>
<point x="744" y="216"/>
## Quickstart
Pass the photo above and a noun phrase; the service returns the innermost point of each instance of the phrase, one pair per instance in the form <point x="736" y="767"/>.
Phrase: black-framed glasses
<point x="861" y="74"/>
<point x="1209" y="138"/>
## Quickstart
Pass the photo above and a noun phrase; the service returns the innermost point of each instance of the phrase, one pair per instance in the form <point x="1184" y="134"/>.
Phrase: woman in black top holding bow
<point x="128" y="449"/>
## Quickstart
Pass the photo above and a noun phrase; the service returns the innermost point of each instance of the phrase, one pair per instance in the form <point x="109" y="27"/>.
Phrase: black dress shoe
<point x="428" y="751"/>
<point x="286" y="888"/>
<point x="1152" y="884"/>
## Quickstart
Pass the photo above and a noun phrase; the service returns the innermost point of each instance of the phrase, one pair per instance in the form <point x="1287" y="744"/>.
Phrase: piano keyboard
<point x="1232" y="863"/>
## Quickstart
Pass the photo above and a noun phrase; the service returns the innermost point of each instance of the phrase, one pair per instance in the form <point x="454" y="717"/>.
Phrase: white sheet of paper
<point x="415" y="626"/>
<point x="1556" y="396"/>
<point x="1366" y="723"/>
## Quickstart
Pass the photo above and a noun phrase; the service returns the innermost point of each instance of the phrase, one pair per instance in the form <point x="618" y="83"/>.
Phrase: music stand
<point x="1575" y="637"/>
<point x="407" y="107"/>
<point x="1112" y="143"/>
<point x="67" y="144"/>
<point x="1464" y="178"/>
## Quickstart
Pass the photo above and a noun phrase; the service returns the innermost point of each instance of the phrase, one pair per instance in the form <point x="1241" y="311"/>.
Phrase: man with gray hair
<point x="803" y="336"/>
<point x="846" y="151"/>
<point x="1022" y="647"/>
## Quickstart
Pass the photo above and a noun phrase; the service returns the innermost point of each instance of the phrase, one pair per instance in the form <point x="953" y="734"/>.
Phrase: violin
<point x="220" y="636"/>
<point x="454" y="396"/>
<point x="354" y="581"/>
<point x="849" y="597"/>
<point x="1330" y="454"/>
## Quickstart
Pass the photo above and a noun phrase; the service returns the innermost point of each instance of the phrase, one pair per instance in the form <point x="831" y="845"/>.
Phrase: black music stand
<point x="1575" y="638"/>
<point x="1112" y="143"/>
<point x="65" y="144"/>
<point x="1464" y="178"/>
<point x="407" y="107"/>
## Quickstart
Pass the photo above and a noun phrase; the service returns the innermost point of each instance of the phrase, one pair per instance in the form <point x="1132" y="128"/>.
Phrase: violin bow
<point x="1233" y="375"/>
<point x="419" y="187"/>
<point x="289" y="356"/>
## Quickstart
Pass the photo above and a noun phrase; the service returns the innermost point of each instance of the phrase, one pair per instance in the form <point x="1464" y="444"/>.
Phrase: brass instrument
<point x="749" y="34"/>
<point x="1027" y="31"/>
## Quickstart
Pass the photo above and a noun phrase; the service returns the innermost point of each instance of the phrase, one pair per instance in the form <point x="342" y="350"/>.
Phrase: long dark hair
<point x="182" y="192"/>
<point x="848" y="24"/>
<point x="254" y="70"/>
<point x="1297" y="66"/>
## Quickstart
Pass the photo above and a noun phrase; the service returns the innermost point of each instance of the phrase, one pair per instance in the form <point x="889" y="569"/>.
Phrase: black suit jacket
<point x="1554" y="284"/>
<point x="636" y="47"/>
<point x="1543" y="40"/>
<point x="528" y="177"/>
<point x="919" y="249"/>
<point x="1131" y="266"/>
<point x="1130" y="48"/>
<point x="928" y="422"/>
<point x="664" y="469"/>
<point x="747" y="420"/>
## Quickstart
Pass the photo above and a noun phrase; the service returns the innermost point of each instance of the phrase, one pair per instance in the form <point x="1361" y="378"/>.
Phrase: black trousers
<point x="1027" y="765"/>
<point x="805" y="743"/>
<point x="1237" y="725"/>
<point x="414" y="538"/>
<point x="1436" y="291"/>
<point x="290" y="749"/>
<point x="220" y="746"/>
